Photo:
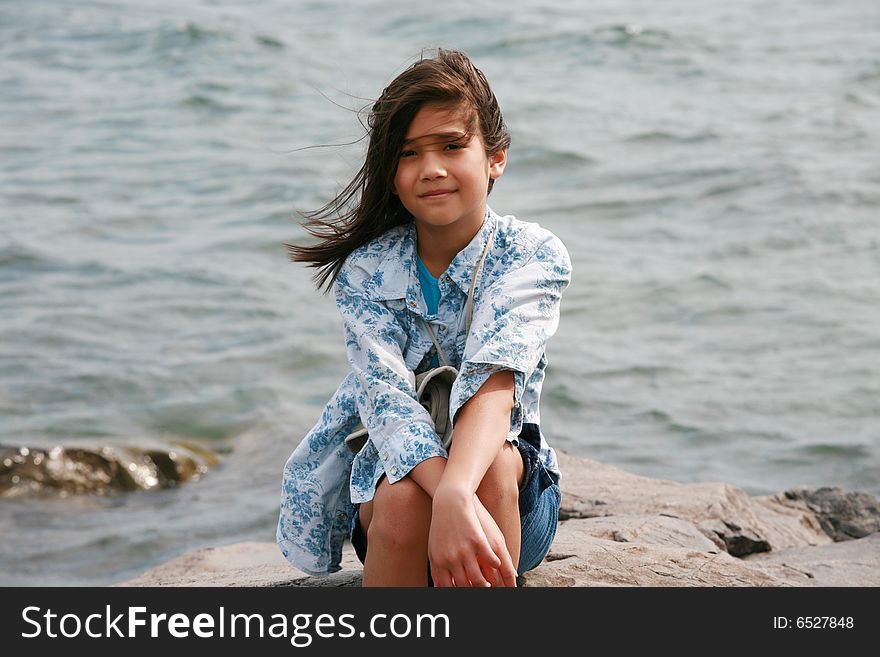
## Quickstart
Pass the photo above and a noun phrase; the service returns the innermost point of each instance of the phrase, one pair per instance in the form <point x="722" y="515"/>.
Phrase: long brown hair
<point x="366" y="208"/>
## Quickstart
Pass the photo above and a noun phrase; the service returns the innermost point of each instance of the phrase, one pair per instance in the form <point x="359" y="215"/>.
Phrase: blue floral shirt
<point x="515" y="311"/>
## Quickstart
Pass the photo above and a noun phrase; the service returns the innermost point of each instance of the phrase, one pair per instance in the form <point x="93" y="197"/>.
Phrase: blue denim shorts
<point x="539" y="499"/>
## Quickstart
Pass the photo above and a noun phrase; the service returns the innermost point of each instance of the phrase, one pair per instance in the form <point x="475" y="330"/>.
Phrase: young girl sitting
<point x="426" y="275"/>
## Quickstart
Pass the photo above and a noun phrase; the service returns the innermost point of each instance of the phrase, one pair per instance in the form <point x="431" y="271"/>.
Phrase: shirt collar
<point x="397" y="276"/>
<point x="461" y="269"/>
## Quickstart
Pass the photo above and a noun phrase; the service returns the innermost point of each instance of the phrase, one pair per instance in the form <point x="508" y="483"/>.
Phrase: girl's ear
<point x="497" y="162"/>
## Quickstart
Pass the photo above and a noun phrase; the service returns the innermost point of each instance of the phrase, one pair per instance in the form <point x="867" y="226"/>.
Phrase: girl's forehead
<point x="437" y="123"/>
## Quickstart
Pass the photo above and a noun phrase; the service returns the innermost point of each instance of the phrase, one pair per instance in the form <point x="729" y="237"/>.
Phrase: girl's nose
<point x="432" y="167"/>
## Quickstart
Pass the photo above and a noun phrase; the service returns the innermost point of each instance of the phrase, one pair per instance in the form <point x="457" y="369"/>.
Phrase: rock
<point x="580" y="559"/>
<point x="655" y="530"/>
<point x="100" y="469"/>
<point x="725" y="514"/>
<point x="244" y="564"/>
<point x="842" y="514"/>
<point x="620" y="529"/>
<point x="847" y="563"/>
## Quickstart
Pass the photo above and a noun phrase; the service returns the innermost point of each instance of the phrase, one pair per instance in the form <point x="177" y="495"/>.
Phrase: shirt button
<point x="394" y="470"/>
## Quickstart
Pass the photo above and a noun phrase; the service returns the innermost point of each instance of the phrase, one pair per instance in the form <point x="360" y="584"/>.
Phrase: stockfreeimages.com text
<point x="300" y="629"/>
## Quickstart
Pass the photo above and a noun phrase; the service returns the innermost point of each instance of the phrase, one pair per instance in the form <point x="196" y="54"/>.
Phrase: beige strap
<point x="436" y="344"/>
<point x="469" y="306"/>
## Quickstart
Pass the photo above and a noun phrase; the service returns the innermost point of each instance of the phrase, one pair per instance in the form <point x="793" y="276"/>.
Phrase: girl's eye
<point x="455" y="146"/>
<point x="406" y="153"/>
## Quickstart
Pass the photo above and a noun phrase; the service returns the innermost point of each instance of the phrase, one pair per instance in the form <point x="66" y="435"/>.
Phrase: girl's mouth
<point x="438" y="194"/>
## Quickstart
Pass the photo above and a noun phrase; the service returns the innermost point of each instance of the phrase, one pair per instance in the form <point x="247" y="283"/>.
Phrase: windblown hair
<point x="366" y="208"/>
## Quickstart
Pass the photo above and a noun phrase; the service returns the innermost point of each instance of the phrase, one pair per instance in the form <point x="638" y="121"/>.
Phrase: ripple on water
<point x="845" y="451"/>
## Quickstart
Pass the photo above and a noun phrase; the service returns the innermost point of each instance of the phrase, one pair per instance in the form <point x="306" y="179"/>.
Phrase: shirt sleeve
<point x="400" y="428"/>
<point x="511" y="324"/>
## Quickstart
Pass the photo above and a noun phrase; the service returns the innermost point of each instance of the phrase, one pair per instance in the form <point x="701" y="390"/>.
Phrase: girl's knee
<point x="502" y="480"/>
<point x="401" y="514"/>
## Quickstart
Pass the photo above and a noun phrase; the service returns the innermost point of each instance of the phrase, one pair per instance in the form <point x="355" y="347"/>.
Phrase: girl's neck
<point x="438" y="245"/>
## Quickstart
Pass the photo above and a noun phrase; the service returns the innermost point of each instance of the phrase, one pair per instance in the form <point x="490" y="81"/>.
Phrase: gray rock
<point x="843" y="514"/>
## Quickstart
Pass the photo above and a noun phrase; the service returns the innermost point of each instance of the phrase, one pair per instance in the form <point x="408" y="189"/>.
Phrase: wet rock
<point x="67" y="470"/>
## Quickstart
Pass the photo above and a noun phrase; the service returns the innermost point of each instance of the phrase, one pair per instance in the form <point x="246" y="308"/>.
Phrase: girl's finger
<point x="491" y="574"/>
<point x="441" y="577"/>
<point x="475" y="575"/>
<point x="460" y="577"/>
<point x="505" y="566"/>
<point x="488" y="555"/>
<point x="508" y="573"/>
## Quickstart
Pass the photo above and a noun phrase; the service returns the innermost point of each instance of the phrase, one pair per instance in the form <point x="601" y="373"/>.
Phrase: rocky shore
<point x="621" y="529"/>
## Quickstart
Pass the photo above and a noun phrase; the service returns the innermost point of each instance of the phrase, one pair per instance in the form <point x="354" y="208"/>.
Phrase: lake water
<point x="714" y="170"/>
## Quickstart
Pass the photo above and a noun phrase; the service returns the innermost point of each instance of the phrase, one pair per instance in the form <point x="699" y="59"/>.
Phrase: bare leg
<point x="396" y="523"/>
<point x="499" y="493"/>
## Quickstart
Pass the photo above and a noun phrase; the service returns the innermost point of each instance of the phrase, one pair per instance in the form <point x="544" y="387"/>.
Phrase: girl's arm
<point x="480" y="432"/>
<point x="401" y="430"/>
<point x="496" y="562"/>
<point x="512" y="322"/>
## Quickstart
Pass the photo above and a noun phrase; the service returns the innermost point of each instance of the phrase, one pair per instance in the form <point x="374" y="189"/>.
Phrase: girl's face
<point x="441" y="179"/>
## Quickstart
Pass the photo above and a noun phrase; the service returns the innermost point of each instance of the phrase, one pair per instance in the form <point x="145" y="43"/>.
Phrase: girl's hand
<point x="506" y="574"/>
<point x="456" y="541"/>
<point x="465" y="545"/>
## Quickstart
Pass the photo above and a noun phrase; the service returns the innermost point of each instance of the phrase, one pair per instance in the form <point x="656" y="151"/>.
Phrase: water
<point x="713" y="170"/>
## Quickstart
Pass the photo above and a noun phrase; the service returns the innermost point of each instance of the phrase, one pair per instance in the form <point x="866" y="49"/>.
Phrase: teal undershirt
<point x="431" y="292"/>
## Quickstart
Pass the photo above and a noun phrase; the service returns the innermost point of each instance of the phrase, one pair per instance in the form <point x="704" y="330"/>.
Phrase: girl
<point x="424" y="273"/>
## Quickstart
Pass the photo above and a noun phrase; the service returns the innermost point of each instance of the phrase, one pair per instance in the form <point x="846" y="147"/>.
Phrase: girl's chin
<point x="436" y="222"/>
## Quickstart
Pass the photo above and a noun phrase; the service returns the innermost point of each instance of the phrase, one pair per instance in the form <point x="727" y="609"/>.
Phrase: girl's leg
<point x="396" y="523"/>
<point x="499" y="493"/>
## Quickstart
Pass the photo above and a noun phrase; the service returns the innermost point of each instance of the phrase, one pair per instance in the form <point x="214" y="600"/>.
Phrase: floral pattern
<point x="515" y="311"/>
